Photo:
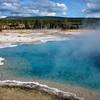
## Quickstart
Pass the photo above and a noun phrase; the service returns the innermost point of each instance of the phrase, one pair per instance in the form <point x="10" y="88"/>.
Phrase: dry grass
<point x="16" y="93"/>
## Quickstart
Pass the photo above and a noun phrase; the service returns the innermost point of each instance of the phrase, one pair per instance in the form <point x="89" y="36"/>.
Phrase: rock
<point x="40" y="87"/>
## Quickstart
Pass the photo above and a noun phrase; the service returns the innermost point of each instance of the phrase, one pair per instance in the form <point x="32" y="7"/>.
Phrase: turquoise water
<point x="62" y="62"/>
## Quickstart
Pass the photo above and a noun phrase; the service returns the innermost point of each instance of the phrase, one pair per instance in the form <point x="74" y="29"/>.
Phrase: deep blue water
<point x="63" y="62"/>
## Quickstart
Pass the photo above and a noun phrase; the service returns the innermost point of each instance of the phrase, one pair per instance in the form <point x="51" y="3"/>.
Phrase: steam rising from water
<point x="90" y="46"/>
<point x="85" y="46"/>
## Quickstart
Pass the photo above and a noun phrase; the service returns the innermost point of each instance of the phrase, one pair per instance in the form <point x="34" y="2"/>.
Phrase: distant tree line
<point x="46" y="23"/>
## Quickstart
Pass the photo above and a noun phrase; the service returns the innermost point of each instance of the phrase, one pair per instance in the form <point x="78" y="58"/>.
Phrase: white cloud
<point x="92" y="8"/>
<point x="96" y="15"/>
<point x="33" y="8"/>
<point x="62" y="6"/>
<point x="3" y="16"/>
<point x="48" y="13"/>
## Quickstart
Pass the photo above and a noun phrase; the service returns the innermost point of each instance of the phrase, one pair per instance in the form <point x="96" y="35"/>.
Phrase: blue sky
<point x="63" y="8"/>
<point x="75" y="7"/>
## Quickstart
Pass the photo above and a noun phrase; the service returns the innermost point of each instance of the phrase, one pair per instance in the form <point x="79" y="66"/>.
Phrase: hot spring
<point x="75" y="61"/>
